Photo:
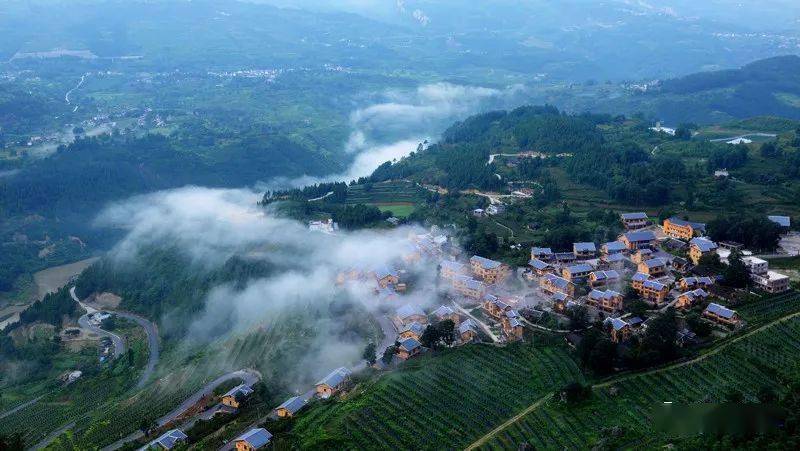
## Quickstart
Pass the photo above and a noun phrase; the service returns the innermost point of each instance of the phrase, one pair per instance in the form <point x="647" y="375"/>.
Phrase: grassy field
<point x="399" y="210"/>
<point x="442" y="401"/>
<point x="765" y="357"/>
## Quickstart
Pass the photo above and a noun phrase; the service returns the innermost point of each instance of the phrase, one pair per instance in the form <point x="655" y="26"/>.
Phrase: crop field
<point x="398" y="209"/>
<point x="384" y="193"/>
<point x="446" y="400"/>
<point x="770" y="308"/>
<point x="767" y="357"/>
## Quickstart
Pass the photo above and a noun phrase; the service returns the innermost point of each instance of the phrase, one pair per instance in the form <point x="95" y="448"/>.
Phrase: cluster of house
<point x="327" y="226"/>
<point x="253" y="439"/>
<point x="336" y="381"/>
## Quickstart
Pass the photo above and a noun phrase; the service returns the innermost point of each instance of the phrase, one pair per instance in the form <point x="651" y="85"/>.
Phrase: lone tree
<point x="735" y="274"/>
<point x="430" y="337"/>
<point x="369" y="354"/>
<point x="446" y="330"/>
<point x="388" y="354"/>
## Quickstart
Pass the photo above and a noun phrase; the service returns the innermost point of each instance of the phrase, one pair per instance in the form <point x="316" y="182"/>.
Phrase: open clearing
<point x="51" y="279"/>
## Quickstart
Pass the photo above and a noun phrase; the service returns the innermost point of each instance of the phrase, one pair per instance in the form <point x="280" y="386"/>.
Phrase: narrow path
<point x="510" y="230"/>
<point x="66" y="96"/>
<point x="480" y="323"/>
<point x="483" y="440"/>
<point x="20" y="407"/>
<point x="329" y="193"/>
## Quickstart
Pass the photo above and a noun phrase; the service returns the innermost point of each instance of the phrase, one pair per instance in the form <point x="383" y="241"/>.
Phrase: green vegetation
<point x="451" y="397"/>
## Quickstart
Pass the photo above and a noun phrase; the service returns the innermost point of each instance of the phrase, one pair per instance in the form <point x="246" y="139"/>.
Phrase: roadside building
<point x="577" y="272"/>
<point x="689" y="298"/>
<point x="446" y="312"/>
<point x="333" y="382"/>
<point x="755" y="265"/>
<point x="584" y="250"/>
<point x="469" y="287"/>
<point x="467" y="331"/>
<point x="654" y="267"/>
<point x="722" y="315"/>
<point x="692" y="283"/>
<point x="552" y="283"/>
<point x="408" y="348"/>
<point x="699" y="246"/>
<point x="638" y="240"/>
<point x="449" y="269"/>
<point x="256" y="438"/>
<point x="683" y="229"/>
<point x="169" y="440"/>
<point x="413" y="330"/>
<point x="613" y="247"/>
<point x="235" y="396"/>
<point x="490" y="271"/>
<point x="608" y="300"/>
<point x="539" y="267"/>
<point x="634" y="221"/>
<point x="542" y="253"/>
<point x="290" y="407"/>
<point x="649" y="290"/>
<point x="602" y="278"/>
<point x="410" y="313"/>
<point x="619" y="330"/>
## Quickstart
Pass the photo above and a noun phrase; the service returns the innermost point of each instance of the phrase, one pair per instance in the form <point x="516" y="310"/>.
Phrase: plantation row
<point x="448" y="400"/>
<point x="766" y="358"/>
<point x="770" y="308"/>
<point x="383" y="192"/>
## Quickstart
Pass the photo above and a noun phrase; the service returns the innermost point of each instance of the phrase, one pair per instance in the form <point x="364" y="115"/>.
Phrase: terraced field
<point x="769" y="308"/>
<point x="445" y="401"/>
<point x="384" y="193"/>
<point x="767" y="357"/>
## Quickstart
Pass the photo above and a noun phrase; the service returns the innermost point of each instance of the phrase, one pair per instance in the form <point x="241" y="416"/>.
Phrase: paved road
<point x="480" y="323"/>
<point x="249" y="377"/>
<point x="149" y="328"/>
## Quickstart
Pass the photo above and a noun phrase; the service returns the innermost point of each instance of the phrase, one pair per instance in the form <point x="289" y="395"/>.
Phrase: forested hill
<point x="766" y="87"/>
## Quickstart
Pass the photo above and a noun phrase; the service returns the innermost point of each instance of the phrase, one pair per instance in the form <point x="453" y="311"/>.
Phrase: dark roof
<point x="655" y="262"/>
<point x="636" y="215"/>
<point x="720" y="311"/>
<point x="538" y="264"/>
<point x="641" y="235"/>
<point x="683" y="223"/>
<point x="256" y="437"/>
<point x="614" y="246"/>
<point x="584" y="247"/>
<point x="409" y="344"/>
<point x="580" y="267"/>
<point x="242" y="389"/>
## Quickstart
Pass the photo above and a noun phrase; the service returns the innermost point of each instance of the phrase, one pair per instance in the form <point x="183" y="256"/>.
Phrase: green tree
<point x="446" y="331"/>
<point x="736" y="274"/>
<point x="369" y="354"/>
<point x="388" y="354"/>
<point x="430" y="337"/>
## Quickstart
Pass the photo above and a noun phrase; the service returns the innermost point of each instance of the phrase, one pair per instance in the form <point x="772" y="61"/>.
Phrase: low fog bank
<point x="212" y="225"/>
<point x="397" y="120"/>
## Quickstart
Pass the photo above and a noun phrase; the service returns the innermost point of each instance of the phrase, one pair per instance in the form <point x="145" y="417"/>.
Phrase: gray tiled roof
<point x="704" y="244"/>
<point x="293" y="404"/>
<point x="642" y="235"/>
<point x="584" y="247"/>
<point x="683" y="223"/>
<point x="256" y="437"/>
<point x="409" y="344"/>
<point x="169" y="439"/>
<point x="720" y="310"/>
<point x="335" y="377"/>
<point x="485" y="263"/>
<point x="409" y="310"/>
<point x="636" y="215"/>
<point x="783" y="221"/>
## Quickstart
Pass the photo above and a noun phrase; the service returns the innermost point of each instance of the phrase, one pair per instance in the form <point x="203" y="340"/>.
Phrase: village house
<point x="634" y="221"/>
<point x="489" y="271"/>
<point x="469" y="287"/>
<point x="601" y="278"/>
<point x="683" y="229"/>
<point x="692" y="283"/>
<point x="755" y="265"/>
<point x="256" y="438"/>
<point x="619" y="329"/>
<point x="784" y="221"/>
<point x="290" y="407"/>
<point x="654" y="267"/>
<point x="235" y="396"/>
<point x="494" y="306"/>
<point x="680" y="264"/>
<point x="409" y="313"/>
<point x="551" y="283"/>
<point x="467" y="331"/>
<point x="495" y="209"/>
<point x="559" y="301"/>
<point x="577" y="272"/>
<point x="617" y="261"/>
<point x="349" y="275"/>
<point x="638" y="240"/>
<point x="332" y="383"/>
<point x="408" y="348"/>
<point x="584" y="251"/>
<point x="512" y="326"/>
<point x="446" y="312"/>
<point x="413" y="330"/>
<point x="449" y="269"/>
<point x="478" y="212"/>
<point x="386" y="278"/>
<point x="613" y="247"/>
<point x="649" y="290"/>
<point x="608" y="300"/>
<point x="539" y="267"/>
<point x="771" y="282"/>
<point x="564" y="258"/>
<point x="542" y="253"/>
<point x="698" y="247"/>
<point x="689" y="298"/>
<point x="641" y="255"/>
<point x="169" y="440"/>
<point x="722" y="315"/>
<point x="760" y="274"/>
